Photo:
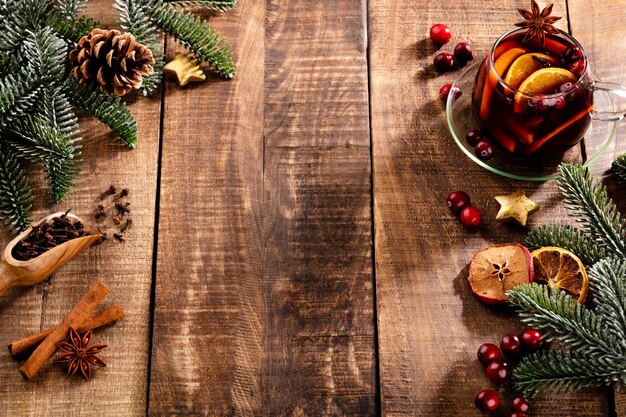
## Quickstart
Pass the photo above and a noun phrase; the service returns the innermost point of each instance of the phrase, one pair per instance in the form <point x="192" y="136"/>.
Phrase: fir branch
<point x="47" y="54"/>
<point x="16" y="196"/>
<point x="69" y="8"/>
<point x="588" y="200"/>
<point x="72" y="29"/>
<point x="607" y="280"/>
<point x="619" y="166"/>
<point x="109" y="110"/>
<point x="564" y="319"/>
<point x="18" y="93"/>
<point x="35" y="138"/>
<point x="206" y="43"/>
<point x="212" y="5"/>
<point x="555" y="371"/>
<point x="567" y="237"/>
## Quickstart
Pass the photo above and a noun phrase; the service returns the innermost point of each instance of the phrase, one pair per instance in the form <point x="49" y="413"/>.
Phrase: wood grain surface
<point x="120" y="389"/>
<point x="429" y="324"/>
<point x="270" y="309"/>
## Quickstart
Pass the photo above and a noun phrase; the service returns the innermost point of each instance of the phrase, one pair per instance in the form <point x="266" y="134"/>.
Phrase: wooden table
<point x="292" y="253"/>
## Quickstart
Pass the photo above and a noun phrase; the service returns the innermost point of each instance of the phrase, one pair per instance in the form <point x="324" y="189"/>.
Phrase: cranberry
<point x="463" y="52"/>
<point x="538" y="105"/>
<point x="517" y="414"/>
<point x="570" y="90"/>
<point x="484" y="149"/>
<point x="532" y="339"/>
<point x="577" y="68"/>
<point x="440" y="34"/>
<point x="571" y="54"/>
<point x="445" y="91"/>
<point x="470" y="216"/>
<point x="498" y="372"/>
<point x="488" y="352"/>
<point x="444" y="61"/>
<point x="473" y="137"/>
<point x="510" y="344"/>
<point x="487" y="400"/>
<point x="457" y="200"/>
<point x="520" y="404"/>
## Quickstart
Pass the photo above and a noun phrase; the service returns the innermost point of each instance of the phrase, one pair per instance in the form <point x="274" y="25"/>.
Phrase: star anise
<point x="79" y="355"/>
<point x="538" y="22"/>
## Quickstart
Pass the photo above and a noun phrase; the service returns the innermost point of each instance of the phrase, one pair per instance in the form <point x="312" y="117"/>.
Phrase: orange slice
<point x="541" y="141"/>
<point x="543" y="81"/>
<point x="524" y="66"/>
<point x="506" y="59"/>
<point x="560" y="268"/>
<point x="501" y="64"/>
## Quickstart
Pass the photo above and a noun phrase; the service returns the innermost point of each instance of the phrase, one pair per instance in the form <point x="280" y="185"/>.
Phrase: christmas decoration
<point x="515" y="206"/>
<point x="592" y="340"/>
<point x="115" y="61"/>
<point x="38" y="97"/>
<point x="185" y="70"/>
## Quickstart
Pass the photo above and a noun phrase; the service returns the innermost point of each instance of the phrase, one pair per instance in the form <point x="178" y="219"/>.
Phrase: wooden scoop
<point x="14" y="273"/>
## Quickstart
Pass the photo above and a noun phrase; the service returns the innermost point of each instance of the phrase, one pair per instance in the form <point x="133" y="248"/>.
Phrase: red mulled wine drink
<point x="534" y="98"/>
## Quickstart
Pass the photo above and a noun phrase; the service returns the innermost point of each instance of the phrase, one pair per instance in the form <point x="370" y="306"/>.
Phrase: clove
<point x="110" y="191"/>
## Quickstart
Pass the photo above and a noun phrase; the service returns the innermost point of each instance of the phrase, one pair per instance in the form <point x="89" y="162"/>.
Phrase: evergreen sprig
<point x="619" y="166"/>
<point x="591" y="348"/>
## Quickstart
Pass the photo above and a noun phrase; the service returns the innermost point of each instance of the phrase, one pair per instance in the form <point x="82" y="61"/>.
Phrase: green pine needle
<point x="590" y="204"/>
<point x="607" y="282"/>
<point x="108" y="109"/>
<point x="72" y="29"/>
<point x="619" y="166"/>
<point x="554" y="372"/>
<point x="16" y="196"/>
<point x="213" y="5"/>
<point x="206" y="43"/>
<point x="567" y="237"/>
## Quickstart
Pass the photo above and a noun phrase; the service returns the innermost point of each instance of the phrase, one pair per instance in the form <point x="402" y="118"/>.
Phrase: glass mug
<point x="539" y="125"/>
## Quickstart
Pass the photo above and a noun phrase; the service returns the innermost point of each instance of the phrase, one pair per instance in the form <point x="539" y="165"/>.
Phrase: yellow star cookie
<point x="185" y="70"/>
<point x="515" y="206"/>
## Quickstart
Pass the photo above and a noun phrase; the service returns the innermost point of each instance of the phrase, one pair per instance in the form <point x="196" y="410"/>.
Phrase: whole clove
<point x="122" y="194"/>
<point x="47" y="235"/>
<point x="110" y="191"/>
<point x="129" y="222"/>
<point x="100" y="211"/>
<point x="119" y="237"/>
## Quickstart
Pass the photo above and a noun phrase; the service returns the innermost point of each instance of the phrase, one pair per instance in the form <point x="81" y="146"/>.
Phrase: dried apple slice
<point x="497" y="269"/>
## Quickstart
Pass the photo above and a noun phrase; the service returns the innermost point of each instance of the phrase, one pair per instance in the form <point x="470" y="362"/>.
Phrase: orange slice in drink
<point x="524" y="66"/>
<point x="561" y="269"/>
<point x="501" y="64"/>
<point x="543" y="81"/>
<point x="542" y="141"/>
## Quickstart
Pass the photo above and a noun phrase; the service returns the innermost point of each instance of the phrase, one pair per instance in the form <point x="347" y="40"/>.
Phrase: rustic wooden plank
<point x="429" y="324"/>
<point x="600" y="27"/>
<point x="271" y="310"/>
<point x="119" y="389"/>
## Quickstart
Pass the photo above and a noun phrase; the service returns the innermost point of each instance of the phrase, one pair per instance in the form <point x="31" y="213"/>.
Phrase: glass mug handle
<point x="617" y="93"/>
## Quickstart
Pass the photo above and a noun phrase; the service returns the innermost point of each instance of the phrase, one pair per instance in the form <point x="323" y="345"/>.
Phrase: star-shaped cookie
<point x="185" y="70"/>
<point x="515" y="206"/>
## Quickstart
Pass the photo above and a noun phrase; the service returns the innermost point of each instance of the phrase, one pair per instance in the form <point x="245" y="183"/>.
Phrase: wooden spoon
<point x="14" y="273"/>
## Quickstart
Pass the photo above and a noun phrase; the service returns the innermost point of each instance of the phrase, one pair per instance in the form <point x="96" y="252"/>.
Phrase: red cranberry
<point x="570" y="90"/>
<point x="517" y="414"/>
<point x="488" y="352"/>
<point x="487" y="400"/>
<point x="538" y="105"/>
<point x="457" y="200"/>
<point x="510" y="344"/>
<point x="470" y="216"/>
<point x="463" y="52"/>
<point x="484" y="149"/>
<point x="473" y="137"/>
<point x="577" y="68"/>
<point x="571" y="54"/>
<point x="444" y="61"/>
<point x="498" y="372"/>
<point x="445" y="91"/>
<point x="520" y="404"/>
<point x="558" y="103"/>
<point x="532" y="339"/>
<point x="440" y="34"/>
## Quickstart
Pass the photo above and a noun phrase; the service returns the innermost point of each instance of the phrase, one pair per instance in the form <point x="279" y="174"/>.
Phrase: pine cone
<point x="116" y="61"/>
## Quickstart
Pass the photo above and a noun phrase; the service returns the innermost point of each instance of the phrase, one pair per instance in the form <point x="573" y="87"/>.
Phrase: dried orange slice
<point x="524" y="66"/>
<point x="560" y="268"/>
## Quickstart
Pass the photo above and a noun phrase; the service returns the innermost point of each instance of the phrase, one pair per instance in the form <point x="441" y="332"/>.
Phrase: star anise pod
<point x="538" y="22"/>
<point x="78" y="355"/>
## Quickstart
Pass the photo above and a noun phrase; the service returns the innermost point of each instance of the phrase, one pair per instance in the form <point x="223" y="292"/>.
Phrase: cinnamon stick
<point x="74" y="318"/>
<point x="102" y="317"/>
